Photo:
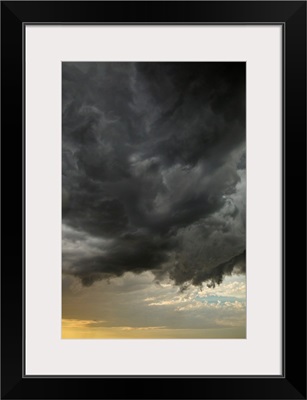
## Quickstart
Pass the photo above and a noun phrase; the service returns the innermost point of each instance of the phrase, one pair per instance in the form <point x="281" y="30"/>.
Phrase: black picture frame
<point x="292" y="383"/>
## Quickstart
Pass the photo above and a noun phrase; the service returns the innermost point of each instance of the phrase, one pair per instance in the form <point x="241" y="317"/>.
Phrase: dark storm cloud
<point x="153" y="170"/>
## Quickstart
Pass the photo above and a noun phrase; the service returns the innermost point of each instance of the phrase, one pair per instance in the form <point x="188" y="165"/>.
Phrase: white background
<point x="48" y="354"/>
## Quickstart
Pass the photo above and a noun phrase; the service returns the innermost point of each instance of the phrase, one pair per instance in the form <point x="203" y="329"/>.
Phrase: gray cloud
<point x="154" y="170"/>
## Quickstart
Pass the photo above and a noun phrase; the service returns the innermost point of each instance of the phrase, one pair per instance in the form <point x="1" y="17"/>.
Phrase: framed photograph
<point x="154" y="158"/>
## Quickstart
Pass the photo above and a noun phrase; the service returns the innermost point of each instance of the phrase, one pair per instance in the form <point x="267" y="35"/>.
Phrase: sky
<point x="153" y="200"/>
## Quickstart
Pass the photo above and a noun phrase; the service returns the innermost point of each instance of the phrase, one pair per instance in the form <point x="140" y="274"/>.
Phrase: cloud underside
<point x="153" y="170"/>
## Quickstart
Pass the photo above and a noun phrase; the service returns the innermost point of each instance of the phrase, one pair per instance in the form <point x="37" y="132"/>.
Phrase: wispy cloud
<point x="80" y="323"/>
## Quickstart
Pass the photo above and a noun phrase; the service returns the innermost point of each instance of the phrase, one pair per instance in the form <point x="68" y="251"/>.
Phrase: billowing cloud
<point x="154" y="170"/>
